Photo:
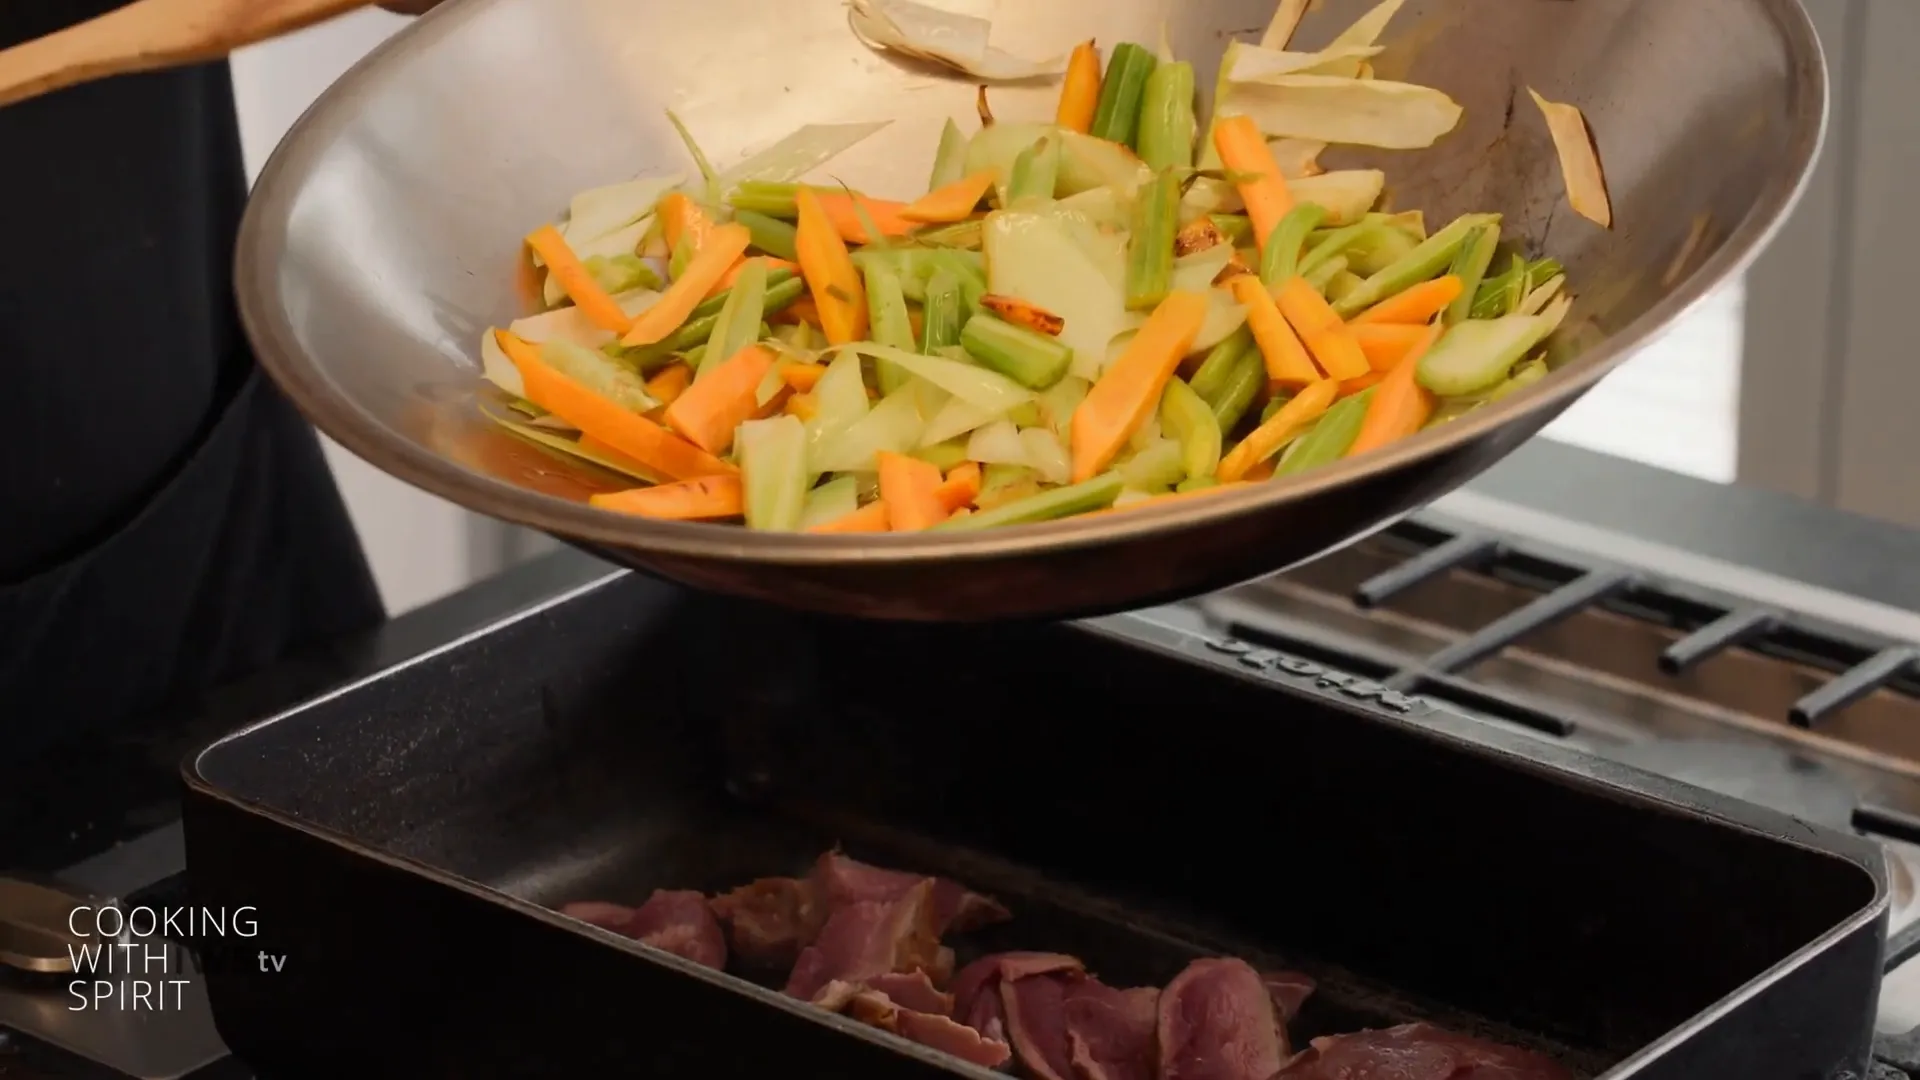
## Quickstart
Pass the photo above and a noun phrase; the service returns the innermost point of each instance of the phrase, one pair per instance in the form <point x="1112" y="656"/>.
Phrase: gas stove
<point x="1736" y="641"/>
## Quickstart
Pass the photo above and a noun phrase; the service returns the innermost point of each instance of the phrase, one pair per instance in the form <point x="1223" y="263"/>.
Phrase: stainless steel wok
<point x="384" y="236"/>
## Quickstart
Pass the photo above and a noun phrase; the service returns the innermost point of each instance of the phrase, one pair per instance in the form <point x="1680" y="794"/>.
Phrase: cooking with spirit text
<point x="135" y="960"/>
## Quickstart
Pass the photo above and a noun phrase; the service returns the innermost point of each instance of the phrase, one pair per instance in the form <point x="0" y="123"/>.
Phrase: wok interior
<point x="400" y="237"/>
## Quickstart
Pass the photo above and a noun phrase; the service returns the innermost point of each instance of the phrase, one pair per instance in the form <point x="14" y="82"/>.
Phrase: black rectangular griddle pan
<point x="1137" y="792"/>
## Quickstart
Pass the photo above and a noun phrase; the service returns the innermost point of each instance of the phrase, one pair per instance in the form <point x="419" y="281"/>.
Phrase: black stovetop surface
<point x="61" y="810"/>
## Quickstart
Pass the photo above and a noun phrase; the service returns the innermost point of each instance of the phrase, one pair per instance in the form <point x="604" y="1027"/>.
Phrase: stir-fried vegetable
<point x="1104" y="310"/>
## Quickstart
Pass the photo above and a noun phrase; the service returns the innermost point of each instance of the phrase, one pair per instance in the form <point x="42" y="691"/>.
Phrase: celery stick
<point x="1156" y="215"/>
<point x="1237" y="228"/>
<point x="940" y="314"/>
<point x="1470" y="266"/>
<point x="1281" y="259"/>
<point x="590" y="368"/>
<point x="1343" y="283"/>
<point x="1033" y="360"/>
<point x="1523" y="376"/>
<point x="830" y="501"/>
<point x="889" y="322"/>
<point x="1187" y="417"/>
<point x="1321" y="276"/>
<point x="1238" y="390"/>
<point x="1475" y="355"/>
<point x="950" y="160"/>
<point x="773" y="200"/>
<point x="1336" y="243"/>
<point x="1423" y="263"/>
<point x="699" y="329"/>
<point x="773" y="472"/>
<point x="1035" y="173"/>
<point x="1216" y="370"/>
<point x="622" y="273"/>
<point x="1095" y="494"/>
<point x="771" y="235"/>
<point x="681" y="255"/>
<point x="1331" y="437"/>
<point x="1117" y="117"/>
<point x="1166" y="125"/>
<point x="1501" y="294"/>
<point x="738" y="324"/>
<point x="943" y="456"/>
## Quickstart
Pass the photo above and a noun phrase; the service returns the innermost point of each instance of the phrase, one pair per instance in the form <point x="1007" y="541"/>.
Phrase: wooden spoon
<point x="150" y="34"/>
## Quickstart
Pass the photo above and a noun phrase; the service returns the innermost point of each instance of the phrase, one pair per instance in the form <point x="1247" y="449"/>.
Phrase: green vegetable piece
<point x="1033" y="360"/>
<point x="1336" y="243"/>
<point x="738" y="324"/>
<point x="621" y="273"/>
<point x="681" y="255"/>
<point x="889" y="323"/>
<point x="1117" y="117"/>
<point x="942" y="313"/>
<point x="1186" y="416"/>
<point x="1167" y="126"/>
<point x="943" y="456"/>
<point x="710" y="179"/>
<point x="1523" y="376"/>
<point x="591" y="369"/>
<point x="783" y="288"/>
<point x="1501" y="294"/>
<point x="1156" y="217"/>
<point x="1380" y="249"/>
<point x="950" y="160"/>
<point x="1475" y="355"/>
<point x="1542" y="272"/>
<point x="831" y="501"/>
<point x="699" y="329"/>
<point x="1423" y="263"/>
<point x="998" y="475"/>
<point x="1470" y="265"/>
<point x="1241" y="387"/>
<point x="1035" y="173"/>
<point x="1282" y="259"/>
<point x="1274" y="405"/>
<point x="1237" y="228"/>
<point x="961" y="235"/>
<point x="1331" y="437"/>
<point x="1321" y="276"/>
<point x="1196" y="483"/>
<point x="1026" y="415"/>
<point x="1343" y="283"/>
<point x="1095" y="494"/>
<point x="1158" y="467"/>
<point x="770" y="234"/>
<point x="1216" y="370"/>
<point x="773" y="472"/>
<point x="762" y="197"/>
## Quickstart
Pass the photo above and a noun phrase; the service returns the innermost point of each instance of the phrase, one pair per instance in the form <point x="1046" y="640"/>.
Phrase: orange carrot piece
<point x="871" y="518"/>
<point x="1020" y="313"/>
<point x="839" y="293"/>
<point x="955" y="202"/>
<point x="670" y="312"/>
<point x="960" y="487"/>
<point x="1244" y="150"/>
<point x="802" y="377"/>
<point x="838" y="207"/>
<point x="1286" y="358"/>
<point x="1263" y="441"/>
<point x="593" y="301"/>
<point x="733" y="272"/>
<point x="1320" y="329"/>
<point x="669" y="383"/>
<point x="1080" y="93"/>
<point x="804" y="406"/>
<point x="1263" y="471"/>
<point x="1349" y="387"/>
<point x="1129" y="390"/>
<point x="707" y="414"/>
<point x="608" y="421"/>
<point x="1168" y="497"/>
<point x="703" y="499"/>
<point x="911" y="489"/>
<point x="1416" y="305"/>
<point x="1386" y="344"/>
<point x="1401" y="405"/>
<point x="681" y="216"/>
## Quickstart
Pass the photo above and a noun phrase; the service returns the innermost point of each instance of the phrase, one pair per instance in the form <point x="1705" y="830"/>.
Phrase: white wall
<point x="1675" y="406"/>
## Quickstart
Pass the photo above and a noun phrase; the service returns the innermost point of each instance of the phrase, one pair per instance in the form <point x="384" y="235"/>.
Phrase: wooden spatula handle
<point x="150" y="34"/>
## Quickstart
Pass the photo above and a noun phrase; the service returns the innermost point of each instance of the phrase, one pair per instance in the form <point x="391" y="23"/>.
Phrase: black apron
<point x="167" y="521"/>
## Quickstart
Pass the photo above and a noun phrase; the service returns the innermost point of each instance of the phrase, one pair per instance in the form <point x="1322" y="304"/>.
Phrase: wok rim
<point x="262" y="243"/>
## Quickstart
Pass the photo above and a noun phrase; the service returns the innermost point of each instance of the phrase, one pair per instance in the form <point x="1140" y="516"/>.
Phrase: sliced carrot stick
<point x="704" y="499"/>
<point x="1263" y="471"/>
<point x="1020" y="313"/>
<point x="733" y="272"/>
<point x="871" y="518"/>
<point x="1416" y="305"/>
<point x="1287" y="361"/>
<point x="1320" y="329"/>
<point x="668" y="313"/>
<point x="681" y="216"/>
<point x="586" y="293"/>
<point x="606" y="420"/>
<point x="838" y="206"/>
<point x="1244" y="150"/>
<point x="804" y="406"/>
<point x="1080" y="93"/>
<point x="802" y="310"/>
<point x="917" y="322"/>
<point x="707" y="414"/>
<point x="1128" y="392"/>
<point x="1169" y="497"/>
<point x="1292" y="418"/>
<point x="960" y="487"/>
<point x="955" y="202"/>
<point x="838" y="291"/>
<point x="1386" y="343"/>
<point x="911" y="489"/>
<point x="669" y="383"/>
<point x="1401" y="405"/>
<point x="1349" y="387"/>
<point x="802" y="377"/>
